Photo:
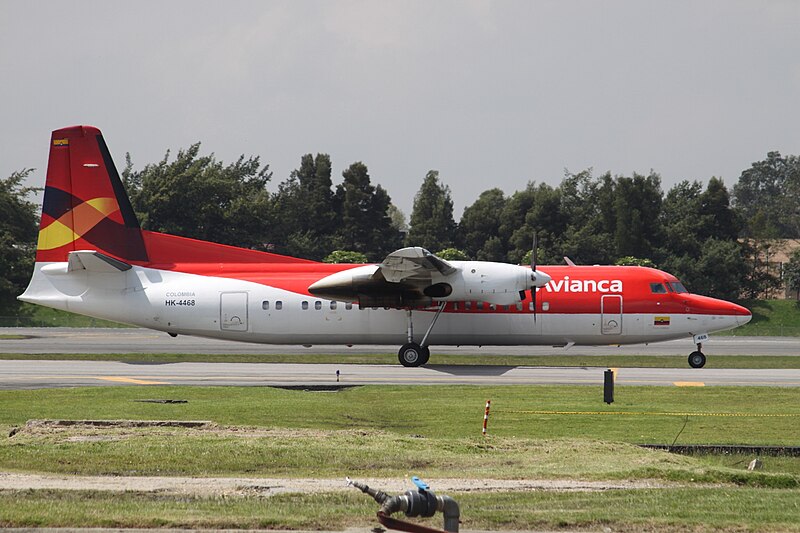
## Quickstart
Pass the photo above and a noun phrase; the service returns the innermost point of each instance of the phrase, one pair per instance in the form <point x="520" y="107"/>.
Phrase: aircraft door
<point x="233" y="311"/>
<point x="611" y="314"/>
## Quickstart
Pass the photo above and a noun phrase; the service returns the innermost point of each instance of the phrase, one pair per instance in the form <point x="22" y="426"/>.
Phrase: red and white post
<point x="486" y="416"/>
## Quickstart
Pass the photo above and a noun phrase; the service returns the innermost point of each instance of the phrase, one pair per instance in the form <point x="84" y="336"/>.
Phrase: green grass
<point x="686" y="509"/>
<point x="333" y="434"/>
<point x="398" y="431"/>
<point x="772" y="318"/>
<point x="421" y="410"/>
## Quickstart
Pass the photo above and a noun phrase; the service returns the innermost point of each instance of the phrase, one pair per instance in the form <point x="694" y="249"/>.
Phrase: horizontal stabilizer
<point x="94" y="261"/>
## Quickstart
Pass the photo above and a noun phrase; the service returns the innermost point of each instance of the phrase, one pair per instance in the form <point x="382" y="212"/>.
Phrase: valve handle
<point x="421" y="485"/>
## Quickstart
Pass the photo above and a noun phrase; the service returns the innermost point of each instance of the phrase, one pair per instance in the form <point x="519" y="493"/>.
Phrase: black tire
<point x="697" y="359"/>
<point x="412" y="354"/>
<point x="426" y="354"/>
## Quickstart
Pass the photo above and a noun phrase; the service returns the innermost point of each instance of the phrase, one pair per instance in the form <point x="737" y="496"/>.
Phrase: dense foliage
<point x="718" y="241"/>
<point x="18" y="225"/>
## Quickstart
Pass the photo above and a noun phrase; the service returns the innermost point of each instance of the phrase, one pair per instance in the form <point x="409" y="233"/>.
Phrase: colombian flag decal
<point x="661" y="321"/>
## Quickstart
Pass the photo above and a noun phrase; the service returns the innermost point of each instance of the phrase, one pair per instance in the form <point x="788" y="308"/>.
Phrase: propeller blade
<point x="534" y="247"/>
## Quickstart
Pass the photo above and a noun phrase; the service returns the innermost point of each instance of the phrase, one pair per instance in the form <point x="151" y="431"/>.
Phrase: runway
<point x="133" y="340"/>
<point x="31" y="374"/>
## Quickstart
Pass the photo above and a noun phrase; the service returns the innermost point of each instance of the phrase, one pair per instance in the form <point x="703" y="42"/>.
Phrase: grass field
<point x="684" y="509"/>
<point x="399" y="431"/>
<point x="405" y="430"/>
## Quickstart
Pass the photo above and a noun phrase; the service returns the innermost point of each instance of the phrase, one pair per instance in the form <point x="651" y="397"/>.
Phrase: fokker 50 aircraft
<point x="94" y="259"/>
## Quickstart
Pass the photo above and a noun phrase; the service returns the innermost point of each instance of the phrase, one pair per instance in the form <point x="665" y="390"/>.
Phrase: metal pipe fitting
<point x="413" y="503"/>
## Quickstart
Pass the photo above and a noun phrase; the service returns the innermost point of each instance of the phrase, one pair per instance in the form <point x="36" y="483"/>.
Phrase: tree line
<point x="711" y="237"/>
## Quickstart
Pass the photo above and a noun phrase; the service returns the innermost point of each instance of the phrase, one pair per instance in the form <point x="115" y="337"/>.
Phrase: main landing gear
<point x="411" y="353"/>
<point x="697" y="359"/>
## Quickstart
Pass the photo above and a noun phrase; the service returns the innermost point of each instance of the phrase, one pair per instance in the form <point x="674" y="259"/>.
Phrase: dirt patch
<point x="191" y="424"/>
<point x="215" y="487"/>
<point x="74" y="430"/>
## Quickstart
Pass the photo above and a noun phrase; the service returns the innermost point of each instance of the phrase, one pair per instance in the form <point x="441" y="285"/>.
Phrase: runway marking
<point x="131" y="380"/>
<point x="689" y="384"/>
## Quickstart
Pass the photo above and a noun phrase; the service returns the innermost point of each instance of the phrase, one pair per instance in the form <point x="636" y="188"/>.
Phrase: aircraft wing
<point x="413" y="263"/>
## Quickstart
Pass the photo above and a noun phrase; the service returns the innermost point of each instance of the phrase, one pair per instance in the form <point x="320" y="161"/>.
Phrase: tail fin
<point x="85" y="205"/>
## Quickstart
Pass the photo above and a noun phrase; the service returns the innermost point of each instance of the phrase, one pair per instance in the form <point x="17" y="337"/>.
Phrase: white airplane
<point x="94" y="259"/>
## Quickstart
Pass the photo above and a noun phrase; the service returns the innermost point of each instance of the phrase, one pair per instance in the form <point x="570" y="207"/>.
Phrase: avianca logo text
<point x="584" y="285"/>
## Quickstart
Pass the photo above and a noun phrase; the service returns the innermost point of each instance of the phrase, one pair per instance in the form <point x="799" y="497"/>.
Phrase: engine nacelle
<point x="497" y="283"/>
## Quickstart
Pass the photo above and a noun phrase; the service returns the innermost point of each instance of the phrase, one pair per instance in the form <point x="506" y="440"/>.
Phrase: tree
<point x="767" y="196"/>
<point x="791" y="274"/>
<point x="364" y="222"/>
<point x="345" y="256"/>
<point x="479" y="228"/>
<point x="543" y="217"/>
<point x="760" y="279"/>
<point x="201" y="198"/>
<point x="588" y="237"/>
<point x="304" y="210"/>
<point x="432" y="225"/>
<point x="629" y="260"/>
<point x="398" y="219"/>
<point x="452" y="254"/>
<point x="18" y="230"/>
<point x="512" y="223"/>
<point x="638" y="204"/>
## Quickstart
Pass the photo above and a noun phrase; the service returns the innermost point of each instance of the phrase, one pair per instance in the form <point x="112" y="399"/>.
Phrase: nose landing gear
<point x="697" y="359"/>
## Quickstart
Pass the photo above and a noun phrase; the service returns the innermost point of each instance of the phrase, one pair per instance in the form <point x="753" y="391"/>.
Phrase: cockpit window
<point x="677" y="286"/>
<point x="658" y="288"/>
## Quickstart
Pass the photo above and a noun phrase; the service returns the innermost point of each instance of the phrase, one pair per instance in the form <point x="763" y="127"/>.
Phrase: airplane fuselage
<point x="267" y="303"/>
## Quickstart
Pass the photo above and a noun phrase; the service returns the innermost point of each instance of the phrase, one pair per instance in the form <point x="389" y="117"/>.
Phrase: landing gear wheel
<point x="697" y="359"/>
<point x="412" y="354"/>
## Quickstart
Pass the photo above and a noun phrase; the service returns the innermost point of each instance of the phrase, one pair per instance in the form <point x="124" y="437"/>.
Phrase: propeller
<point x="534" y="248"/>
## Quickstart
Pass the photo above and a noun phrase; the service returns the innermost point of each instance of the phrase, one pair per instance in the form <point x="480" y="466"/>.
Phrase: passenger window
<point x="658" y="288"/>
<point x="467" y="306"/>
<point x="304" y="305"/>
<point x="265" y="305"/>
<point x="333" y="306"/>
<point x="455" y="306"/>
<point x="348" y="306"/>
<point x="278" y="305"/>
<point x="519" y="307"/>
<point x="530" y="306"/>
<point x="317" y="305"/>
<point x="479" y="306"/>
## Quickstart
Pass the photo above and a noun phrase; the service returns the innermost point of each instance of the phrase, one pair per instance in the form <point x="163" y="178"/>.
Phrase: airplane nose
<point x="744" y="316"/>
